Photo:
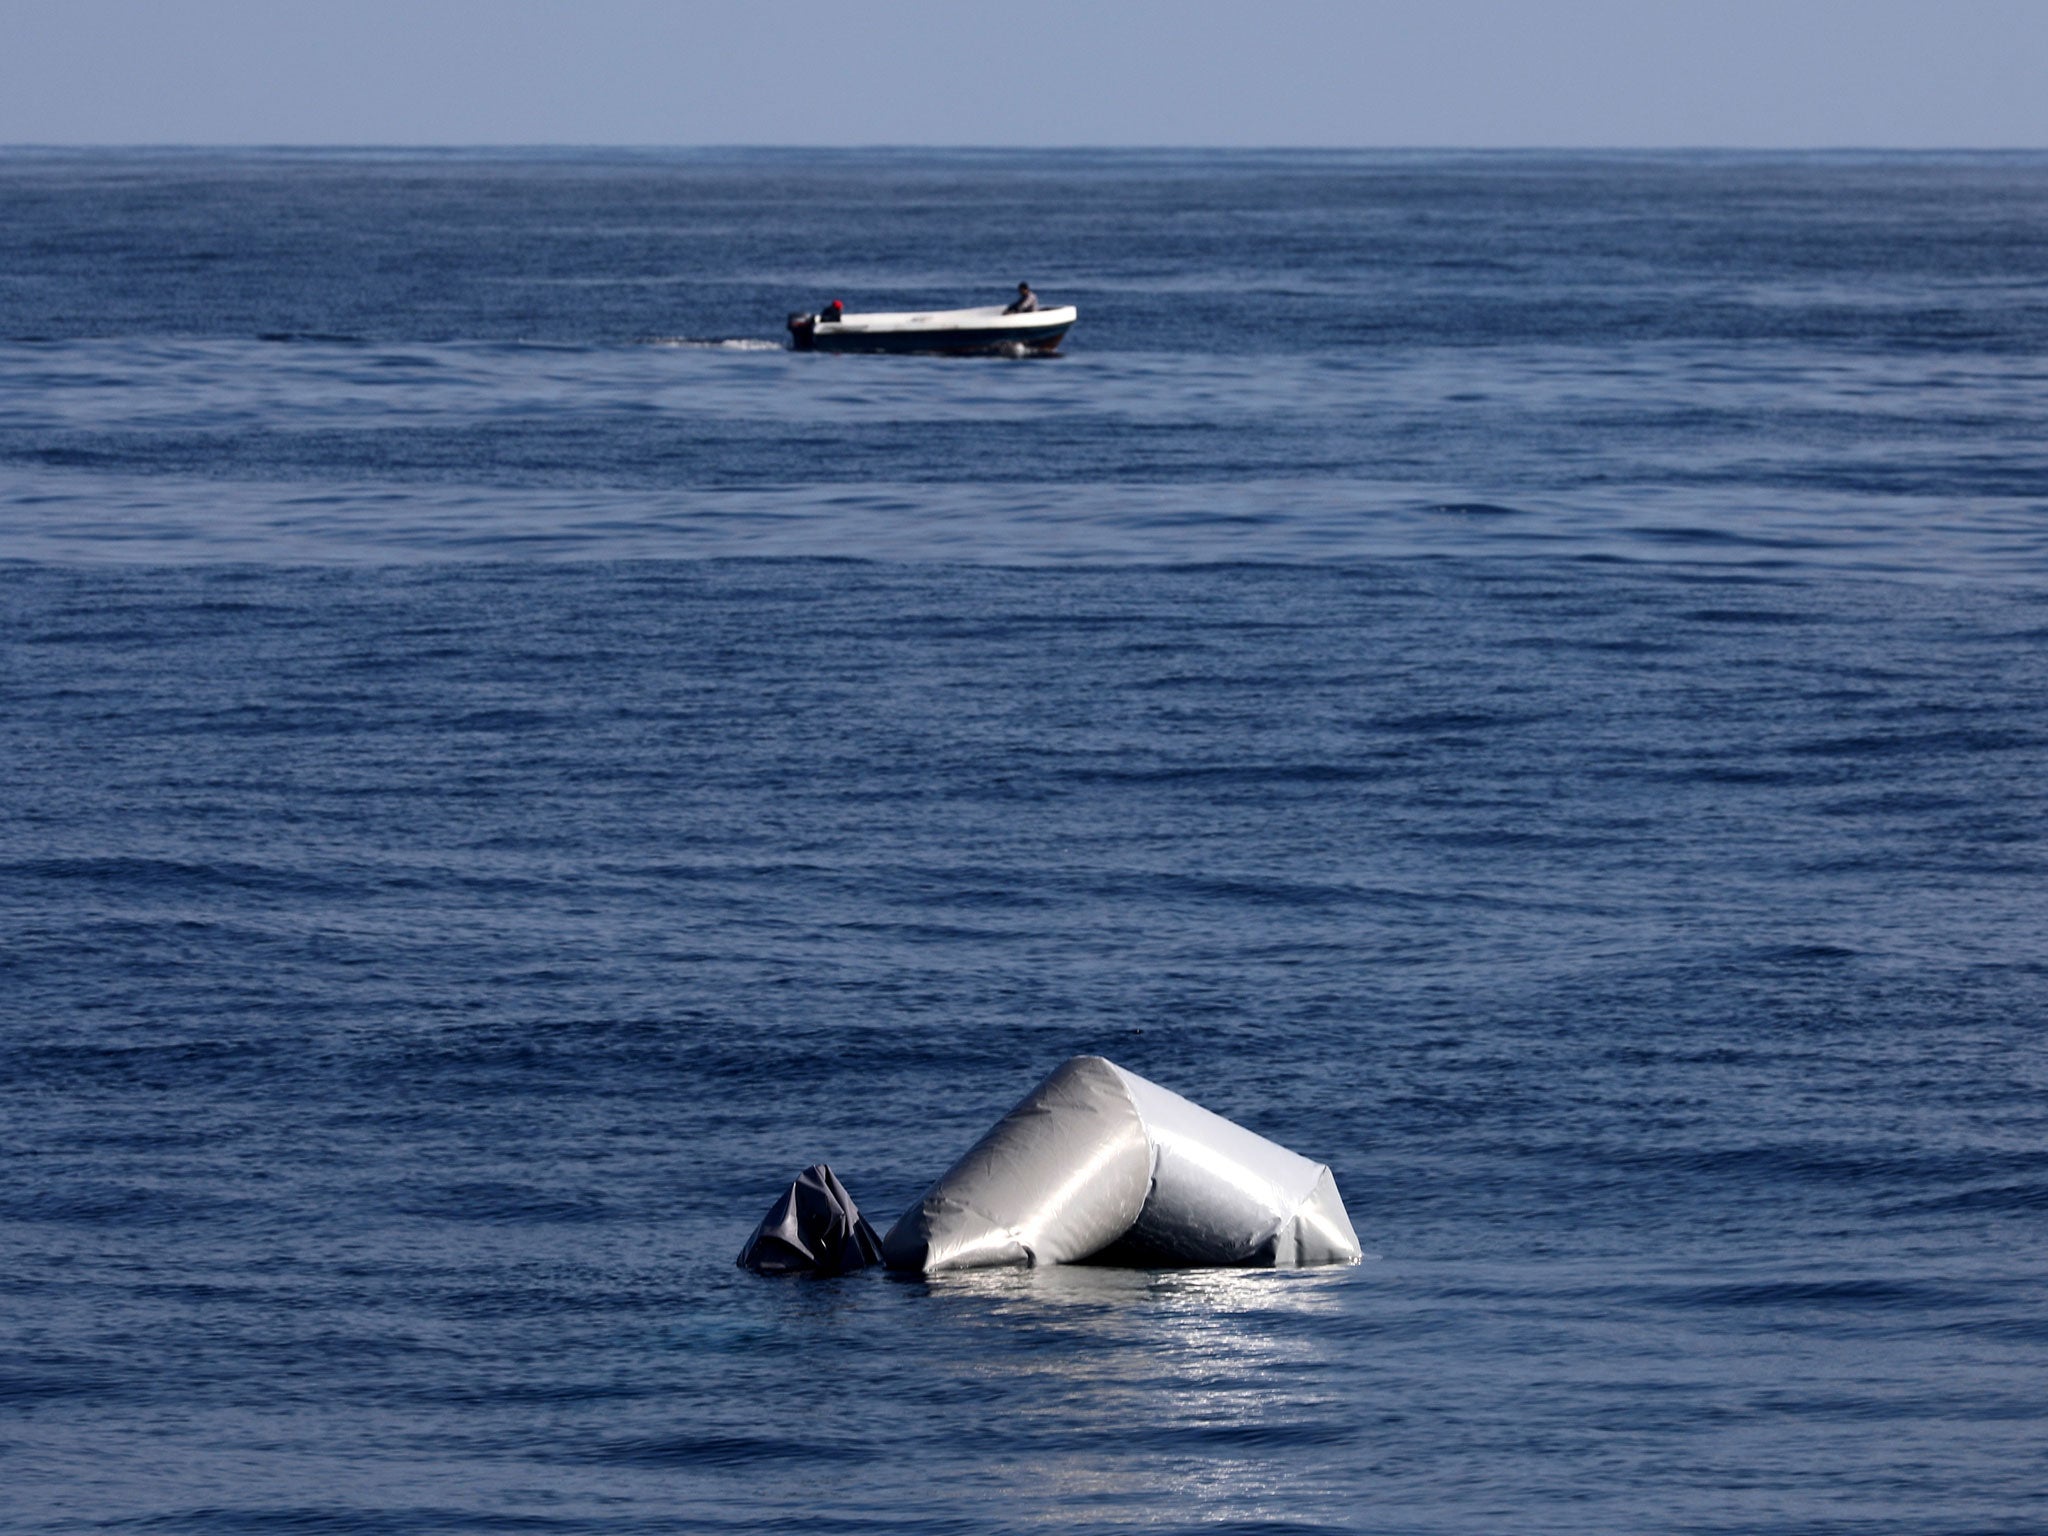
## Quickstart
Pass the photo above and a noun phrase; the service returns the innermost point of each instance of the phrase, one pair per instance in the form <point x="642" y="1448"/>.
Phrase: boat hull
<point x="948" y="343"/>
<point x="973" y="333"/>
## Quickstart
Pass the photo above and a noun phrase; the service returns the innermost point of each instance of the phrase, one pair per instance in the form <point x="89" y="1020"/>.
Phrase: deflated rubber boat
<point x="960" y="332"/>
<point x="1098" y="1165"/>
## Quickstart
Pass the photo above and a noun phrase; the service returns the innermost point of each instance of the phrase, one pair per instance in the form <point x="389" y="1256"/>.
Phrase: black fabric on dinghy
<point x="815" y="1228"/>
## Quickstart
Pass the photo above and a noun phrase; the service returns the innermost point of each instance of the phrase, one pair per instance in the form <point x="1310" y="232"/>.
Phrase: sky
<point x="1029" y="73"/>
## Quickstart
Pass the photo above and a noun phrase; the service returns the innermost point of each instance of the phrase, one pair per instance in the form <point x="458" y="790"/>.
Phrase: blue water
<point x="1522" y="677"/>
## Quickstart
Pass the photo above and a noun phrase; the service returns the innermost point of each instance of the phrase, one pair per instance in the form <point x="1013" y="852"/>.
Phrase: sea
<point x="1521" y="676"/>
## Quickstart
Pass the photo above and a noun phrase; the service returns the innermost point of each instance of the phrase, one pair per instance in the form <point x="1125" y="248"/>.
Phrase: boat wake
<point x="719" y="343"/>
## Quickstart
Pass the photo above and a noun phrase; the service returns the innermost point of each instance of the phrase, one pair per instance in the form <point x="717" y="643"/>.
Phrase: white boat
<point x="955" y="331"/>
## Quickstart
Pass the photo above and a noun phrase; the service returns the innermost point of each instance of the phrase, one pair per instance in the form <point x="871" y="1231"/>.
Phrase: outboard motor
<point x="802" y="328"/>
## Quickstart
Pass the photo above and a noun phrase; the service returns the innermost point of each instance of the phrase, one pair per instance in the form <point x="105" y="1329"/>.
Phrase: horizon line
<point x="888" y="147"/>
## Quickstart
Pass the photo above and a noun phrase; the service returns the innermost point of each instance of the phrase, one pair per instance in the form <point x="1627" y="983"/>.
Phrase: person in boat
<point x="1027" y="301"/>
<point x="832" y="313"/>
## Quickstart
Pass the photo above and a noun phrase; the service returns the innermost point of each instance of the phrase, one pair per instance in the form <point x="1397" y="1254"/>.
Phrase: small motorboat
<point x="958" y="332"/>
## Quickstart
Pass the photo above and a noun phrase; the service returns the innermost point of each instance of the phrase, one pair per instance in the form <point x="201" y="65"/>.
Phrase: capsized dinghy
<point x="955" y="331"/>
<point x="1097" y="1165"/>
